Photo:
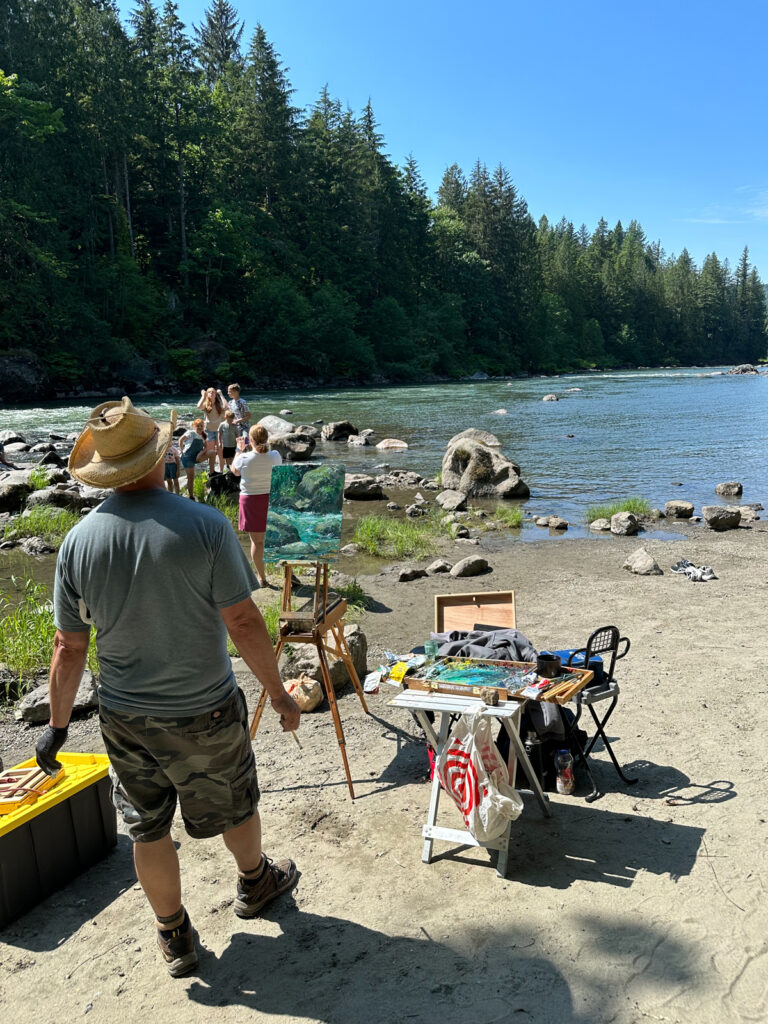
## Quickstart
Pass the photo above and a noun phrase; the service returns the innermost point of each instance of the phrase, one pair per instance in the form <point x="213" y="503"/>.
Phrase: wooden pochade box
<point x="44" y="845"/>
<point x="483" y="608"/>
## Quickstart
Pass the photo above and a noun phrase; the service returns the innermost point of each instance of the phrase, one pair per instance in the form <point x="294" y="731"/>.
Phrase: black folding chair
<point x="610" y="646"/>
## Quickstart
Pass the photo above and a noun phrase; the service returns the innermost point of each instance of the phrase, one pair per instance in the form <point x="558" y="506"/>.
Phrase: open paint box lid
<point x="466" y="611"/>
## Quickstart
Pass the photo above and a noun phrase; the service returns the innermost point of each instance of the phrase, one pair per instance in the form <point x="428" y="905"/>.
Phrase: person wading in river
<point x="174" y="723"/>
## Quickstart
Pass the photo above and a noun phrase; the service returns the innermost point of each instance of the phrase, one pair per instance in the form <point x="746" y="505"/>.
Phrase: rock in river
<point x="361" y="487"/>
<point x="338" y="431"/>
<point x="730" y="489"/>
<point x="452" y="501"/>
<point x="476" y="470"/>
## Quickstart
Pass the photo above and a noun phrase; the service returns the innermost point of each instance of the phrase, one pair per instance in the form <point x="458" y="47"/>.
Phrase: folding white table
<point x="447" y="705"/>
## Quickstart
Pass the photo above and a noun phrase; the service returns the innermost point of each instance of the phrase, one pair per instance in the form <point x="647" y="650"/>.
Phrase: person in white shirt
<point x="255" y="471"/>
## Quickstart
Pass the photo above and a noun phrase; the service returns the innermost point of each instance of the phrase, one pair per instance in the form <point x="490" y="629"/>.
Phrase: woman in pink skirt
<point x="255" y="471"/>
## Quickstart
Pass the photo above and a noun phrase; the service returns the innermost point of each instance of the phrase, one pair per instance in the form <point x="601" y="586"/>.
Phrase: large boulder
<point x="730" y="489"/>
<point x="361" y="487"/>
<point x="452" y="501"/>
<point x="338" y="431"/>
<point x="304" y="658"/>
<point x="719" y="519"/>
<point x="14" y="489"/>
<point x="483" y="436"/>
<point x="293" y="447"/>
<point x="624" y="524"/>
<point x="477" y="470"/>
<point x="277" y="425"/>
<point x="641" y="563"/>
<point x="678" y="509"/>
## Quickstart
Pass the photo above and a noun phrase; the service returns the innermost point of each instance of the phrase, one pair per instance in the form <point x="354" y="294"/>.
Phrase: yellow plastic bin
<point x="44" y="845"/>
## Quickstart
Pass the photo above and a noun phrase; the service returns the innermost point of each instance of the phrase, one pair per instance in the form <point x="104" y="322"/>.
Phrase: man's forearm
<point x="255" y="648"/>
<point x="67" y="667"/>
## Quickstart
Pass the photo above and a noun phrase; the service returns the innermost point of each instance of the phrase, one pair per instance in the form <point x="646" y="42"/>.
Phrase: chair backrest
<point x="606" y="641"/>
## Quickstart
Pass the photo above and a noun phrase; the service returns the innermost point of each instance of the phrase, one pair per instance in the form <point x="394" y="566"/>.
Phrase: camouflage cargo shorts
<point x="205" y="761"/>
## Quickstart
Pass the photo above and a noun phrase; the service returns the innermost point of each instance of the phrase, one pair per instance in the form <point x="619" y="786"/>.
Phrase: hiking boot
<point x="252" y="895"/>
<point x="178" y="948"/>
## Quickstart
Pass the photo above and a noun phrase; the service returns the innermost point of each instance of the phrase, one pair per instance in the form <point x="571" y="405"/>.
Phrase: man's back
<point x="153" y="570"/>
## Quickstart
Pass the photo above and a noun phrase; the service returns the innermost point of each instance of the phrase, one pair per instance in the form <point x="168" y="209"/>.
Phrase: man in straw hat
<point x="174" y="725"/>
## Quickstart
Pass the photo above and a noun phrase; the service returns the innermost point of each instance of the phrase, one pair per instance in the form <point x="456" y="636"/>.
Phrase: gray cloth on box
<point x="495" y="644"/>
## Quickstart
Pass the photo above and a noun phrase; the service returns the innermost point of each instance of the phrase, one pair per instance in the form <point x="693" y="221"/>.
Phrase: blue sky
<point x="653" y="112"/>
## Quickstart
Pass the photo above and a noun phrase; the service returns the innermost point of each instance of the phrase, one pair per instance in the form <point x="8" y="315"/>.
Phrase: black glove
<point x="48" y="746"/>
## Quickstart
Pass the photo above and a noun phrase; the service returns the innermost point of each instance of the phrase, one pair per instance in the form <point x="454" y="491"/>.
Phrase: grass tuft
<point x="511" y="517"/>
<point x="228" y="504"/>
<point x="383" y="537"/>
<point x="39" y="478"/>
<point x="52" y="524"/>
<point x="638" y="506"/>
<point x="26" y="634"/>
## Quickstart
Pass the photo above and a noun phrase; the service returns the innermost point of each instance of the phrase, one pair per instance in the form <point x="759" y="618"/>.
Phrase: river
<point x="641" y="432"/>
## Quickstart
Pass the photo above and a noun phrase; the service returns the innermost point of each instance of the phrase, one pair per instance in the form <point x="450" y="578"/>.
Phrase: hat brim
<point x="87" y="466"/>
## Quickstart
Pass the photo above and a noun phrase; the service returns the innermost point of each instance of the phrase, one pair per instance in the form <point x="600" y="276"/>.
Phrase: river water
<point x="636" y="432"/>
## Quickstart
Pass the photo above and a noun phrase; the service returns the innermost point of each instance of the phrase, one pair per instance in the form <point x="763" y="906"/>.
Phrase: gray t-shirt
<point x="151" y="571"/>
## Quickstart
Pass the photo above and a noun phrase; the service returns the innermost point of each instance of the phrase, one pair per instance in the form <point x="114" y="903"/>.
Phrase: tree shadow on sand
<point x="337" y="971"/>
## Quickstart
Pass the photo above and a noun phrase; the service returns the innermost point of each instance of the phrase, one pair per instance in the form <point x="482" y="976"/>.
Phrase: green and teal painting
<point x="304" y="521"/>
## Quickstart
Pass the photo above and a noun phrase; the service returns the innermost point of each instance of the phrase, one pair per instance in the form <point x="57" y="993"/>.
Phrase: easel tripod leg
<point x="335" y="713"/>
<point x="263" y="696"/>
<point x="346" y="656"/>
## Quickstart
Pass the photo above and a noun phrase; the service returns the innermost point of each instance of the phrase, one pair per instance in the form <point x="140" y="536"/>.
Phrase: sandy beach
<point x="649" y="904"/>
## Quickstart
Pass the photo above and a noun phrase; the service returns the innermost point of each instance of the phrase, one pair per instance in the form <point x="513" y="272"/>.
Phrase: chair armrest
<point x="623" y="640"/>
<point x="572" y="655"/>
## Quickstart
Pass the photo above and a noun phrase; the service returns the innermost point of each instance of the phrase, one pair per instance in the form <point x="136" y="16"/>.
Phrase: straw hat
<point x="119" y="445"/>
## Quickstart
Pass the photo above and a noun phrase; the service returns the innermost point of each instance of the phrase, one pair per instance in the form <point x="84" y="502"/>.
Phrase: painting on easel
<point x="304" y="519"/>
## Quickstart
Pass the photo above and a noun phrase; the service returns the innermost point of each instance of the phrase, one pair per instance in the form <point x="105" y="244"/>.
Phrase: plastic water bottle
<point x="565" y="777"/>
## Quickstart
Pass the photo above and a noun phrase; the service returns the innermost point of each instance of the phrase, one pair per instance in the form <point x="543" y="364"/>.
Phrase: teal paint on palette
<point x="304" y="521"/>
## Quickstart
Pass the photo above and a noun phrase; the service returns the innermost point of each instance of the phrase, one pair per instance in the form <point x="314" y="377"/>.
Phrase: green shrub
<point x="638" y="506"/>
<point x="52" y="524"/>
<point x="201" y="482"/>
<point x="509" y="516"/>
<point x="39" y="478"/>
<point x="26" y="634"/>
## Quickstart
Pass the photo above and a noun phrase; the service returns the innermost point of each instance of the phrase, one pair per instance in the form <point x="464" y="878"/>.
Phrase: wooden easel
<point x="319" y="622"/>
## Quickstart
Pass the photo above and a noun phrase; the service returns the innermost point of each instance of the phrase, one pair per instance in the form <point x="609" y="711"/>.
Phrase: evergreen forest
<point x="169" y="217"/>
